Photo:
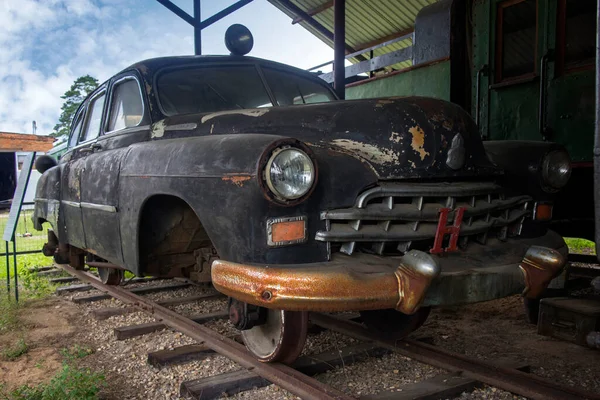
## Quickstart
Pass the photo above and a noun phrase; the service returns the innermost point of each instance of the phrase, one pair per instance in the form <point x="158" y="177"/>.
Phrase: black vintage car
<point x="253" y="175"/>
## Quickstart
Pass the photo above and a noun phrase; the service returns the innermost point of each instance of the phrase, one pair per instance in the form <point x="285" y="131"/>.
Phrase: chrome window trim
<point x="110" y="103"/>
<point x="103" y="91"/>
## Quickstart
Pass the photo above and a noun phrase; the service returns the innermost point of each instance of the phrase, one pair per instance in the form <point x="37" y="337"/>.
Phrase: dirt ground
<point x="47" y="327"/>
<point x="492" y="330"/>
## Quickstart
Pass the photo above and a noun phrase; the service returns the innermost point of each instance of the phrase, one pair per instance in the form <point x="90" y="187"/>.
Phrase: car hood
<point x="407" y="137"/>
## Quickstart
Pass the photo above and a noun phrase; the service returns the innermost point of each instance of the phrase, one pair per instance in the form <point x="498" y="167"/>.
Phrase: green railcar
<point x="526" y="71"/>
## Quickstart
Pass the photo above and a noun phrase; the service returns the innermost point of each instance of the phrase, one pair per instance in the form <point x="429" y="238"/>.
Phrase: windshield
<point x="230" y="87"/>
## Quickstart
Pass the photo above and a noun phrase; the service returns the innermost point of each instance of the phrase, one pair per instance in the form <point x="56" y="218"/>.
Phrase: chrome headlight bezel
<point x="267" y="183"/>
<point x="555" y="170"/>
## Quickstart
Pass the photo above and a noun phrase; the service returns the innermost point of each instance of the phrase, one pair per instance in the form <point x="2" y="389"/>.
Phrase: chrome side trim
<point x="99" y="207"/>
<point x="71" y="203"/>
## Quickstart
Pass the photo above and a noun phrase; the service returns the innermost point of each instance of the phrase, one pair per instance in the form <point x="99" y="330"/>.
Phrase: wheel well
<point x="170" y="233"/>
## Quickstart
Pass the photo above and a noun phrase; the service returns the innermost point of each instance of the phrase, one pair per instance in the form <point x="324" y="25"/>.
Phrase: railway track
<point x="464" y="372"/>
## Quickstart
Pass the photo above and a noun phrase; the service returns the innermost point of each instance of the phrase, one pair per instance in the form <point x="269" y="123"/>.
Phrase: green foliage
<point x="15" y="351"/>
<point x="584" y="246"/>
<point x="8" y="315"/>
<point x="73" y="97"/>
<point x="76" y="352"/>
<point x="70" y="383"/>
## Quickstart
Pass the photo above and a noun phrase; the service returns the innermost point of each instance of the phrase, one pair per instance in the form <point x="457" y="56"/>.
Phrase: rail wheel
<point x="111" y="276"/>
<point x="393" y="323"/>
<point x="280" y="339"/>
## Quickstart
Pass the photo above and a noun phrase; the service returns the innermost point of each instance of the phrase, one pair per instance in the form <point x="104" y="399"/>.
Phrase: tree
<point x="73" y="98"/>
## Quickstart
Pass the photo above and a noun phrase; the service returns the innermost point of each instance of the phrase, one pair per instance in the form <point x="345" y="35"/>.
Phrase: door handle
<point x="96" y="147"/>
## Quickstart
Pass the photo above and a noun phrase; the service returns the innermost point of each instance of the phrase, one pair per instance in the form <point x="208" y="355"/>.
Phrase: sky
<point x="46" y="44"/>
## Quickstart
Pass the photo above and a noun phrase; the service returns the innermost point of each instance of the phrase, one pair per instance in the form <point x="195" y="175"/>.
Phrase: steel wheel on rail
<point x="393" y="323"/>
<point x="280" y="339"/>
<point x="111" y="276"/>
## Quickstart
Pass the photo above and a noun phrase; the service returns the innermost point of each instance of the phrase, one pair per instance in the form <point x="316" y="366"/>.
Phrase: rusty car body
<point x="171" y="171"/>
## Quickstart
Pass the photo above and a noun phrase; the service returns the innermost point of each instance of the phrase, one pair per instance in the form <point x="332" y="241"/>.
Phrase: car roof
<point x="151" y="66"/>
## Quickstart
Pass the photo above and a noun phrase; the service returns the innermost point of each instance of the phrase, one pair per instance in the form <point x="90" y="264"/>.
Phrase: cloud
<point x="47" y="44"/>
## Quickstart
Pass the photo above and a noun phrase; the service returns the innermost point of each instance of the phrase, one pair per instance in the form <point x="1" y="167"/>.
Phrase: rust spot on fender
<point x="418" y="141"/>
<point x="237" y="180"/>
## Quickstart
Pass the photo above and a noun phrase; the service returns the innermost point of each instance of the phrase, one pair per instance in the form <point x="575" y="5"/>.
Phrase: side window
<point x="76" y="129"/>
<point x="516" y="39"/>
<point x="126" y="107"/>
<point x="576" y="33"/>
<point x="94" y="119"/>
<point x="290" y="89"/>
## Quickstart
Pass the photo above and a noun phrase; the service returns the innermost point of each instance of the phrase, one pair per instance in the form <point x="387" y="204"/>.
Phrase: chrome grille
<point x="395" y="217"/>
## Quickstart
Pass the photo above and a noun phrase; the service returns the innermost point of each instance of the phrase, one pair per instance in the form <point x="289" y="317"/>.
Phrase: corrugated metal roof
<point x="366" y="21"/>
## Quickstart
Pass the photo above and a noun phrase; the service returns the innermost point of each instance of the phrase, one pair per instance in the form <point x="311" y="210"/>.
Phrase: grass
<point x="76" y="352"/>
<point x="8" y="315"/>
<point x="15" y="351"/>
<point x="25" y="228"/>
<point x="581" y="246"/>
<point x="70" y="383"/>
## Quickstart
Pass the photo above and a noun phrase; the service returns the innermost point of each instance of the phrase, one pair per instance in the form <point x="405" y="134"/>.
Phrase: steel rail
<point x="512" y="380"/>
<point x="282" y="375"/>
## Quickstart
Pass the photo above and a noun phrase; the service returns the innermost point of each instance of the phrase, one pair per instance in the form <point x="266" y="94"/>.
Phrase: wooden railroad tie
<point x="231" y="383"/>
<point x="127" y="332"/>
<point x="182" y="354"/>
<point x="140" y="290"/>
<point x="105" y="313"/>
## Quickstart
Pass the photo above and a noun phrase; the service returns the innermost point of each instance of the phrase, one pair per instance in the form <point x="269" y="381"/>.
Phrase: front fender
<point x="47" y="200"/>
<point x="218" y="177"/>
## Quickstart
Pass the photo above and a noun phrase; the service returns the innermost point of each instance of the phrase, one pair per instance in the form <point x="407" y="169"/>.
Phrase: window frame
<point x="90" y="101"/>
<point x="111" y="99"/>
<point x="499" y="42"/>
<point x="79" y="114"/>
<point x="561" y="43"/>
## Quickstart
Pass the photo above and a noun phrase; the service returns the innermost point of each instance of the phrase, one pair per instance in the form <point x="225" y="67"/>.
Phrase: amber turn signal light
<point x="542" y="212"/>
<point x="285" y="231"/>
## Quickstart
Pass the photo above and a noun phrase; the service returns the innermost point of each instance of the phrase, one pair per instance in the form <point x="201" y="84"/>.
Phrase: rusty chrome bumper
<point x="369" y="282"/>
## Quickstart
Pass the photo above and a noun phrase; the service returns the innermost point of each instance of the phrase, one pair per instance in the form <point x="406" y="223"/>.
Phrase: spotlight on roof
<point x="239" y="40"/>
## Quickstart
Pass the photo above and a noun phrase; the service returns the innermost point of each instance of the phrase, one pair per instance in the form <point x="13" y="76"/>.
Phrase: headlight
<point x="290" y="173"/>
<point x="556" y="170"/>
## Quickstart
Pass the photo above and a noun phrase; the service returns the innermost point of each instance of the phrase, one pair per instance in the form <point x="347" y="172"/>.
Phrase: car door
<point x="70" y="223"/>
<point x="100" y="182"/>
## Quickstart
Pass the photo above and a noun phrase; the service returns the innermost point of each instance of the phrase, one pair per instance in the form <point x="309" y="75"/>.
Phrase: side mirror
<point x="44" y="163"/>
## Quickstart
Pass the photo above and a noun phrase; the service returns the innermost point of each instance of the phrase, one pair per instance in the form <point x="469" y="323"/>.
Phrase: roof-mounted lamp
<point x="239" y="40"/>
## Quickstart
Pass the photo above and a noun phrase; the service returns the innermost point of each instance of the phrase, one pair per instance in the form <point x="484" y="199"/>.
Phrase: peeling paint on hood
<point x="377" y="155"/>
<point x="418" y="141"/>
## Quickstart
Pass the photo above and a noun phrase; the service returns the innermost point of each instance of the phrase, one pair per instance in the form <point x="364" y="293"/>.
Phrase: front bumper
<point x="370" y="282"/>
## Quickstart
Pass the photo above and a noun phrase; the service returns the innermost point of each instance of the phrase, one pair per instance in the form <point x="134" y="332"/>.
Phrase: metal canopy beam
<point x="196" y="20"/>
<point x="315" y="24"/>
<point x="597" y="138"/>
<point x="178" y="11"/>
<point x="223" y="13"/>
<point x="314" y="11"/>
<point x="339" y="43"/>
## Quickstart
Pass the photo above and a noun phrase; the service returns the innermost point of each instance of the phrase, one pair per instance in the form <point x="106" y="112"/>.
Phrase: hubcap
<point x="280" y="339"/>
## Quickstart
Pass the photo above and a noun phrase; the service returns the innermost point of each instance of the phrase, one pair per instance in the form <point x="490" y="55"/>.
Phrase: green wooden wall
<point x="430" y="81"/>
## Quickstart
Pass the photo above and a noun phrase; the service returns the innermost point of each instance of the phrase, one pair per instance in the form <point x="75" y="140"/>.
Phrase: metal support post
<point x="7" y="270"/>
<point x="197" y="28"/>
<point x="15" y="270"/>
<point x="339" y="47"/>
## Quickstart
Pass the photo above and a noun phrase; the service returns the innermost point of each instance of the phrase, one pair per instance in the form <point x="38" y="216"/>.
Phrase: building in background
<point x="14" y="148"/>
